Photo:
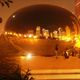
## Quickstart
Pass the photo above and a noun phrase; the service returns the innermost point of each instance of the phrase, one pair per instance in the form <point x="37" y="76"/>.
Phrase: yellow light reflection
<point x="6" y="33"/>
<point x="68" y="39"/>
<point x="20" y="35"/>
<point x="30" y="35"/>
<point x="77" y="44"/>
<point x="35" y="37"/>
<point x="14" y="34"/>
<point x="65" y="38"/>
<point x="25" y="36"/>
<point x="10" y="33"/>
<point x="22" y="57"/>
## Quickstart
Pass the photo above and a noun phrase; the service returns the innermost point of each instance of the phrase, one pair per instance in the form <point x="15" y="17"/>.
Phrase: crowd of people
<point x="68" y="51"/>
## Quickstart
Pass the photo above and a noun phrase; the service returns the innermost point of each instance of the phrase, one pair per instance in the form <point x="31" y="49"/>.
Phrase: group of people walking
<point x="71" y="51"/>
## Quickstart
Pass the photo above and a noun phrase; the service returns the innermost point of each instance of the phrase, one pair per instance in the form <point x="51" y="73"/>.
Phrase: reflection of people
<point x="73" y="51"/>
<point x="66" y="54"/>
<point x="56" y="50"/>
<point x="79" y="53"/>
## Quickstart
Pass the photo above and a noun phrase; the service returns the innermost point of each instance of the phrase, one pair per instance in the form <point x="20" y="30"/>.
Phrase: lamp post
<point x="25" y="61"/>
<point x="28" y="57"/>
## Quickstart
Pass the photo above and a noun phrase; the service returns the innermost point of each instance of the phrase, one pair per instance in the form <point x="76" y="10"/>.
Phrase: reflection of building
<point x="55" y="34"/>
<point x="67" y="30"/>
<point x="77" y="8"/>
<point x="38" y="31"/>
<point x="30" y="32"/>
<point x="59" y="31"/>
<point x="45" y="33"/>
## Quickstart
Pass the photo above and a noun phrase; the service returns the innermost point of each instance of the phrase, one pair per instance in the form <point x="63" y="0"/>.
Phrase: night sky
<point x="45" y="16"/>
<point x="6" y="12"/>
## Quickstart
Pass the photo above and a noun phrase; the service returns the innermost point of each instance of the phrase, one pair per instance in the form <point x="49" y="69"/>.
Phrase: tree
<point x="3" y="3"/>
<point x="6" y="2"/>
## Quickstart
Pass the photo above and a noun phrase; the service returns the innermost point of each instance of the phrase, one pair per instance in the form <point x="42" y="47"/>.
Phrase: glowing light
<point x="65" y="38"/>
<point x="68" y="39"/>
<point x="14" y="34"/>
<point x="29" y="56"/>
<point x="6" y="33"/>
<point x="76" y="39"/>
<point x="13" y="16"/>
<point x="10" y="33"/>
<point x="30" y="35"/>
<point x="22" y="57"/>
<point x="35" y="37"/>
<point x="20" y="35"/>
<point x="25" y="36"/>
<point x="77" y="44"/>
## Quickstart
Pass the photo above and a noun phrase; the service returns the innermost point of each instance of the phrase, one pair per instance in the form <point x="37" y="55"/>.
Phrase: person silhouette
<point x="56" y="51"/>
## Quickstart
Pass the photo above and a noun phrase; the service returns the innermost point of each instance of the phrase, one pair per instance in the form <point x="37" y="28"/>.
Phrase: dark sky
<point x="45" y="16"/>
<point x="18" y="4"/>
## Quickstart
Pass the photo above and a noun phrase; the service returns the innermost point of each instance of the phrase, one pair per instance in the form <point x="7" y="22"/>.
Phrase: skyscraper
<point x="77" y="8"/>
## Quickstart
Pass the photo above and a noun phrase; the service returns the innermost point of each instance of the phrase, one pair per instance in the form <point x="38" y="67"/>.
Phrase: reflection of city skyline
<point x="46" y="33"/>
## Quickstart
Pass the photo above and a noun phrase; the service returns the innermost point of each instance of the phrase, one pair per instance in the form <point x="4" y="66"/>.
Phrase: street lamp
<point x="28" y="56"/>
<point x="26" y="59"/>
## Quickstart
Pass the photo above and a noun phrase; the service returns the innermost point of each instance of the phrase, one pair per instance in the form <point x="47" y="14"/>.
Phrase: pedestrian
<point x="56" y="51"/>
<point x="66" y="54"/>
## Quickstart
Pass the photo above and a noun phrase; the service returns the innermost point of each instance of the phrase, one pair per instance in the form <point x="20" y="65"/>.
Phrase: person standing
<point x="56" y="51"/>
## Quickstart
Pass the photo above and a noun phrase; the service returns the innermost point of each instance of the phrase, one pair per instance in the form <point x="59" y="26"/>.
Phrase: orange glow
<point x="14" y="34"/>
<point x="75" y="38"/>
<point x="65" y="38"/>
<point x="28" y="56"/>
<point x="77" y="41"/>
<point x="22" y="57"/>
<point x="35" y="37"/>
<point x="68" y="39"/>
<point x="6" y="33"/>
<point x="10" y="33"/>
<point x="30" y="35"/>
<point x="67" y="29"/>
<point x="77" y="44"/>
<point x="20" y="35"/>
<point x="25" y="36"/>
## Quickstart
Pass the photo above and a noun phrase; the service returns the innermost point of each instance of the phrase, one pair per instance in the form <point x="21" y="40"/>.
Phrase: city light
<point x="30" y="35"/>
<point x="14" y="34"/>
<point x="25" y="36"/>
<point x="60" y="34"/>
<point x="6" y="33"/>
<point x="77" y="41"/>
<point x="68" y="39"/>
<point x="20" y="35"/>
<point x="35" y="37"/>
<point x="77" y="44"/>
<point x="10" y="33"/>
